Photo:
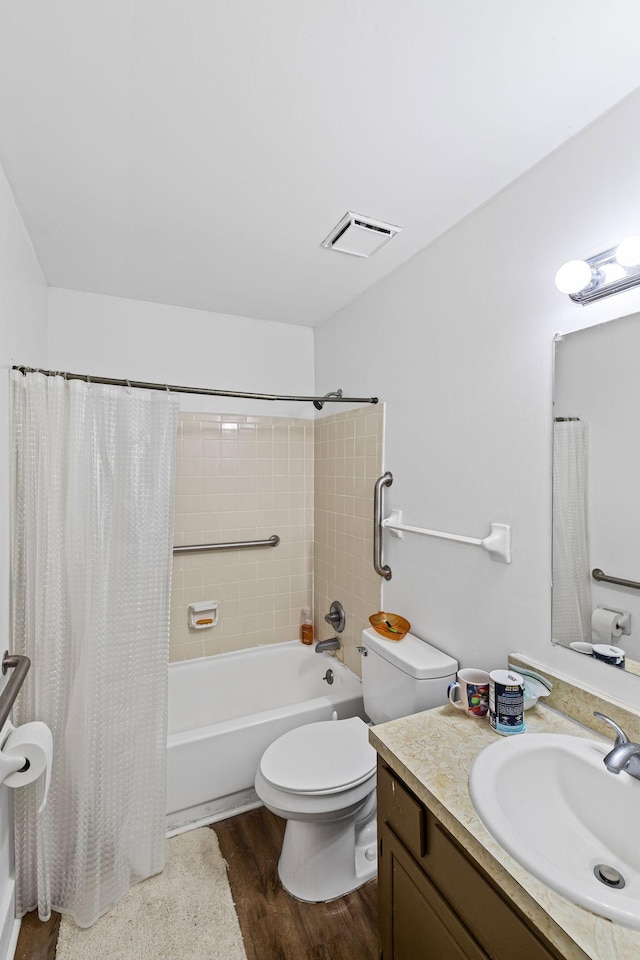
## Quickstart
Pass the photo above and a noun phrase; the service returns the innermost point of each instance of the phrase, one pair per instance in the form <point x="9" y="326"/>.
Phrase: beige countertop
<point x="432" y="752"/>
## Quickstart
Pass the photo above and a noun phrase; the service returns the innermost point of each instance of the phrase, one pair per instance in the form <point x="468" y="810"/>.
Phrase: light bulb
<point x="573" y="277"/>
<point x="628" y="253"/>
<point x="612" y="272"/>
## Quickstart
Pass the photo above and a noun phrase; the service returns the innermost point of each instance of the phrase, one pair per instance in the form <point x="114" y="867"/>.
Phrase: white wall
<point x="458" y="342"/>
<point x="114" y="337"/>
<point x="23" y="315"/>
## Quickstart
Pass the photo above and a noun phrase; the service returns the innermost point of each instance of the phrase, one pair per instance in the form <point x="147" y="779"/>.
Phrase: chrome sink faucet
<point x="625" y="754"/>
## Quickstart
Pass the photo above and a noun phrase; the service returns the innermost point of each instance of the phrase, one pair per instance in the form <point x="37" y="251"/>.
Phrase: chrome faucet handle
<point x="336" y="616"/>
<point x="621" y="737"/>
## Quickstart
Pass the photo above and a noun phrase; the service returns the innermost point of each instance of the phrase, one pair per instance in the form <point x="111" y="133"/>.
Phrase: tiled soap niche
<point x="242" y="478"/>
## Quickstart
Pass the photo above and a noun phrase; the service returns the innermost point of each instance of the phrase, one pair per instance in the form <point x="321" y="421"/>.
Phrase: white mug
<point x="473" y="688"/>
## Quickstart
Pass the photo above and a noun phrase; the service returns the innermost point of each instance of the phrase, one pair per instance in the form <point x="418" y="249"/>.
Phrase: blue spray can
<point x="506" y="702"/>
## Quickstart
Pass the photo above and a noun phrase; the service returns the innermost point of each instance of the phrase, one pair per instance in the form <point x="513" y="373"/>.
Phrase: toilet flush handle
<point x="363" y="651"/>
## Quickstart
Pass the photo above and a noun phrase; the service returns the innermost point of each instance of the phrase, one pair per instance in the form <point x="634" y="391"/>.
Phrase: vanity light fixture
<point x="601" y="276"/>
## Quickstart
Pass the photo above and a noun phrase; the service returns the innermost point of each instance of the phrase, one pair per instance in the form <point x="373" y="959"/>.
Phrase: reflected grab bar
<point x="597" y="574"/>
<point x="20" y="666"/>
<point x="384" y="481"/>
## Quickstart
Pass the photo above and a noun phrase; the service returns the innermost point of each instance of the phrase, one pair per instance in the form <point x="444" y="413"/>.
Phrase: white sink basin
<point x="549" y="800"/>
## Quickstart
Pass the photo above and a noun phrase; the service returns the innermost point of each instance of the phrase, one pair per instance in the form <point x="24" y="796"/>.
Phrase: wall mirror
<point x="596" y="492"/>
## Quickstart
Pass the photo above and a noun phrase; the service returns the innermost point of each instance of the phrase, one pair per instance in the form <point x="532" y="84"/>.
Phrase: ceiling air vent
<point x="359" y="236"/>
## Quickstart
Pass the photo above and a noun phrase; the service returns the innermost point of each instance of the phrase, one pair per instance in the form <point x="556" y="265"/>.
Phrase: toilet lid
<point x="323" y="757"/>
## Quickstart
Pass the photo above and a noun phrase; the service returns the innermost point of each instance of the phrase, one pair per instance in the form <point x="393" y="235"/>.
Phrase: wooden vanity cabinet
<point x="435" y="903"/>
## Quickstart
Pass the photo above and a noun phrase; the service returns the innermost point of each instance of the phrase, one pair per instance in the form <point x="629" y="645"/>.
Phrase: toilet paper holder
<point x="26" y="752"/>
<point x="623" y="617"/>
<point x="20" y="666"/>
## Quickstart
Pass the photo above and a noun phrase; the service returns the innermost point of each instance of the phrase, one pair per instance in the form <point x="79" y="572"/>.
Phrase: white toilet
<point x="321" y="777"/>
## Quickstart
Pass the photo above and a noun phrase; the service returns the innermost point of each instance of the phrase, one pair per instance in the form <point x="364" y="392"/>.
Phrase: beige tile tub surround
<point x="242" y="478"/>
<point x="347" y="463"/>
<point x="433" y="752"/>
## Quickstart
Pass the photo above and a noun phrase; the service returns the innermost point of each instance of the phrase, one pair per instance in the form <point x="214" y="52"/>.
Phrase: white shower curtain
<point x="571" y="616"/>
<point x="92" y="527"/>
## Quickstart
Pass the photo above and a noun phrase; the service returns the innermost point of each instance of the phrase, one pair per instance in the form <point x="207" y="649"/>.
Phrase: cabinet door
<point x="415" y="922"/>
<point x="422" y="862"/>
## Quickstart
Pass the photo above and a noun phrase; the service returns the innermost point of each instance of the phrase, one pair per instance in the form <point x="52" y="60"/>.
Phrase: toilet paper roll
<point x="605" y="625"/>
<point x="34" y="742"/>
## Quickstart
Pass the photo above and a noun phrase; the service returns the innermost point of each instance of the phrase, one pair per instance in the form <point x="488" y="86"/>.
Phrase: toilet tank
<point x="403" y="677"/>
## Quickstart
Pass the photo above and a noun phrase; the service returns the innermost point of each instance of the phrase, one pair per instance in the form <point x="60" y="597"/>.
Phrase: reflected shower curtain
<point x="92" y="528"/>
<point x="571" y="616"/>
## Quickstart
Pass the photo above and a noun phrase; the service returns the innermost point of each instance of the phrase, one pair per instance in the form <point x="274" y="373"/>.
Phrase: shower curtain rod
<point x="335" y="397"/>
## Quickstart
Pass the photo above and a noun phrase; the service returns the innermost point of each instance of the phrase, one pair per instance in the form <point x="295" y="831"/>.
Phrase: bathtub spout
<point x="322" y="646"/>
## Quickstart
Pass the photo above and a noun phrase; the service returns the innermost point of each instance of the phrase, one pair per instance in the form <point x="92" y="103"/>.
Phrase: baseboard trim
<point x="13" y="942"/>
<point x="9" y="926"/>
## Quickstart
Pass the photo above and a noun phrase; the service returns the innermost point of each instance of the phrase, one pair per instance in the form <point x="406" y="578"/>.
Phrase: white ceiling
<point x="197" y="152"/>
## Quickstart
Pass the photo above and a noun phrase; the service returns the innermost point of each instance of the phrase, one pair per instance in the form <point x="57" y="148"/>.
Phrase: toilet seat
<point x="322" y="758"/>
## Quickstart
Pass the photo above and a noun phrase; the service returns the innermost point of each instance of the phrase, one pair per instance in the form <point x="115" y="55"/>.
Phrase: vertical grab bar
<point x="384" y="481"/>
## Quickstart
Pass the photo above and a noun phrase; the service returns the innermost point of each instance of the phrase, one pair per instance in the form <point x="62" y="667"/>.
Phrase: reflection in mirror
<point x="596" y="492"/>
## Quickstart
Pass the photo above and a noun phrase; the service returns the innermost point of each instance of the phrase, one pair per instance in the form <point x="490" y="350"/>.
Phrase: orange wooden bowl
<point x="391" y="626"/>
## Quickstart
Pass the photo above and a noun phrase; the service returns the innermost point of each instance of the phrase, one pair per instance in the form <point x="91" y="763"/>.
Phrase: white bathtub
<point x="224" y="711"/>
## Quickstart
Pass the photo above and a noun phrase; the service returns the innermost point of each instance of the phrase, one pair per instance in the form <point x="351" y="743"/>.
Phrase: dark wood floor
<point x="274" y="925"/>
<point x="37" y="940"/>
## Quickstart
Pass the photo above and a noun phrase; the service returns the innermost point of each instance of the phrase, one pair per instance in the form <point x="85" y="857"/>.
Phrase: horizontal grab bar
<point x="20" y="666"/>
<point x="497" y="543"/>
<point x="273" y="541"/>
<point x="599" y="575"/>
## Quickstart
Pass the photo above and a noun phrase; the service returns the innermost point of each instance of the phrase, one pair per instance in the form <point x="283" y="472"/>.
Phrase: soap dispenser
<point x="306" y="627"/>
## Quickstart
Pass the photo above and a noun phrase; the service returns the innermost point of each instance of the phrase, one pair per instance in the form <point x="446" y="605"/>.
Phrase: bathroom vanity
<point x="434" y="900"/>
<point x="447" y="889"/>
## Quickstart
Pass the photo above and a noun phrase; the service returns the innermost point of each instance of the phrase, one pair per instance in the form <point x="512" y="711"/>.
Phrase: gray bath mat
<point x="184" y="912"/>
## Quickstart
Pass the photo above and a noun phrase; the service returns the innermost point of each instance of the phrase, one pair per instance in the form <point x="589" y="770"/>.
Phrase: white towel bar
<point x="497" y="543"/>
